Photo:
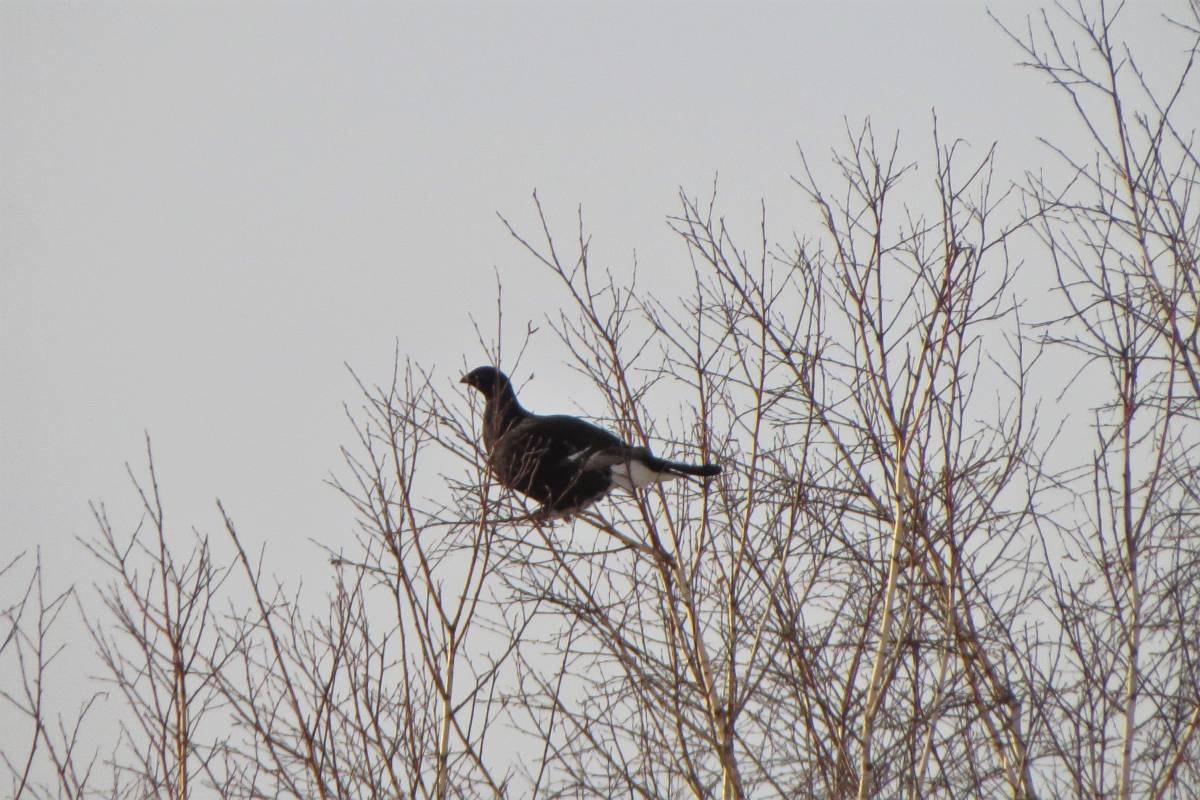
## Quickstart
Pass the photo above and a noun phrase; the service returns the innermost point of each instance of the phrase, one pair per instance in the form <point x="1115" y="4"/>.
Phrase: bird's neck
<point x="502" y="412"/>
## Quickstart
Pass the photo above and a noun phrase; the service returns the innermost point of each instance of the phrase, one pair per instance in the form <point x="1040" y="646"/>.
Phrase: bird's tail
<point x="635" y="467"/>
<point x="680" y="468"/>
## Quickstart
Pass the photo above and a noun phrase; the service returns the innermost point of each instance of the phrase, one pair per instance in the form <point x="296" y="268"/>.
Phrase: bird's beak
<point x="463" y="379"/>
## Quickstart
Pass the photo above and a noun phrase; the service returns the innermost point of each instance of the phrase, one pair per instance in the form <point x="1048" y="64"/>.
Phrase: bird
<point x="563" y="462"/>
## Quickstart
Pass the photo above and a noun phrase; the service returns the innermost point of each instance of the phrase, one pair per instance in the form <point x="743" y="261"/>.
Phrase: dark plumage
<point x="561" y="461"/>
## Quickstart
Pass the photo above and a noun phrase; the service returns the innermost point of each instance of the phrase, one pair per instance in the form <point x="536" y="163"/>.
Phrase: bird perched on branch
<point x="561" y="461"/>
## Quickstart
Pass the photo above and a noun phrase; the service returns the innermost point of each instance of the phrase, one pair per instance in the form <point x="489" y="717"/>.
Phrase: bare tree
<point x="1123" y="233"/>
<point x="836" y="615"/>
<point x="29" y="650"/>
<point x="909" y="581"/>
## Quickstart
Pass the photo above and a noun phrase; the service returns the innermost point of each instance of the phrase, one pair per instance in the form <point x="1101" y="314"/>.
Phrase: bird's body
<point x="563" y="462"/>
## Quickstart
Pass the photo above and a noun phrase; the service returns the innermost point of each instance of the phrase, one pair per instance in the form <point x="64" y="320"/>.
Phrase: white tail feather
<point x="630" y="475"/>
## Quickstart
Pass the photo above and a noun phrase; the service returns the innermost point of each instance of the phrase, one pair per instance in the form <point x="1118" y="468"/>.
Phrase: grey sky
<point x="206" y="208"/>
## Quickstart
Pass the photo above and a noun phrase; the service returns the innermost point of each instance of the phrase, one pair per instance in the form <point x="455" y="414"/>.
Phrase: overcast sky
<point x="206" y="209"/>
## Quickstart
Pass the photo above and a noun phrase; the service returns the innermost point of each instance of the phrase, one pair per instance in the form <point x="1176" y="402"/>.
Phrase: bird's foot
<point x="546" y="515"/>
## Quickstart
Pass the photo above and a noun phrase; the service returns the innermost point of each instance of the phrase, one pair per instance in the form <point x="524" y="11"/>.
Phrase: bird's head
<point x="490" y="381"/>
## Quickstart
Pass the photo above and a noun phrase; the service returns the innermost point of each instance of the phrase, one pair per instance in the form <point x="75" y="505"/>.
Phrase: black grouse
<point x="561" y="461"/>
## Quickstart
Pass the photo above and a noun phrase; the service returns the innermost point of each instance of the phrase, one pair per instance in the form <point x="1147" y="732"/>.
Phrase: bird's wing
<point x="577" y="443"/>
